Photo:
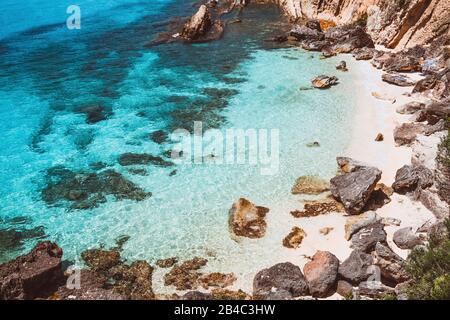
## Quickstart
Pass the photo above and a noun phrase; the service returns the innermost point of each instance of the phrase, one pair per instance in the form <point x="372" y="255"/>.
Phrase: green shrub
<point x="430" y="269"/>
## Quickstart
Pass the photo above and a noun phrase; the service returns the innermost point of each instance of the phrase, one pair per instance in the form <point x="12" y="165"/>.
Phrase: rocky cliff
<point x="392" y="23"/>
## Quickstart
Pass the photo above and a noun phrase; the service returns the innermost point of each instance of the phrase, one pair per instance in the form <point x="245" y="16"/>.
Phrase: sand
<point x="372" y="116"/>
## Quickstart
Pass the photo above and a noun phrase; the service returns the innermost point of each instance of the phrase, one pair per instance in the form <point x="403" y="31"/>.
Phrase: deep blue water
<point x="51" y="75"/>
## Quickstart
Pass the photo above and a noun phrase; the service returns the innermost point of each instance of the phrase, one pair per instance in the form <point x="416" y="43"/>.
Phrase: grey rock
<point x="282" y="276"/>
<point x="406" y="238"/>
<point x="355" y="268"/>
<point x="366" y="238"/>
<point x="412" y="177"/>
<point x="353" y="189"/>
<point x="375" y="289"/>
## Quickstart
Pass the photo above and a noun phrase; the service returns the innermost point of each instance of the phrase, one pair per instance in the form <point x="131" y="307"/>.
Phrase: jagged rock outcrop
<point x="202" y="27"/>
<point x="395" y="24"/>
<point x="34" y="275"/>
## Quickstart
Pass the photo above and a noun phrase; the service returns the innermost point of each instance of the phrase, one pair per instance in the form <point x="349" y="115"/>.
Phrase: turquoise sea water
<point x="49" y="72"/>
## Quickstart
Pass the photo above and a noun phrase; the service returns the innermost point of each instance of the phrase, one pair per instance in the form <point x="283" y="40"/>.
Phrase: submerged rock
<point x="85" y="190"/>
<point x="324" y="82"/>
<point x="354" y="189"/>
<point x="216" y="279"/>
<point x="159" y="136"/>
<point x="310" y="185"/>
<point x="34" y="275"/>
<point x="185" y="276"/>
<point x="321" y="273"/>
<point x="318" y="207"/>
<point x="166" y="263"/>
<point x="247" y="220"/>
<point x="129" y="159"/>
<point x="294" y="238"/>
<point x="280" y="277"/>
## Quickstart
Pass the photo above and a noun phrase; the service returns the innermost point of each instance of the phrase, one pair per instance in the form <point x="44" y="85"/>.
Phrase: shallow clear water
<point x="49" y="72"/>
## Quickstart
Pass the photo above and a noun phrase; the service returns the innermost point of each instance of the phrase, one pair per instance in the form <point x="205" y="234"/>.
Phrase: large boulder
<point x="247" y="220"/>
<point x="366" y="238"/>
<point x="310" y="185"/>
<point x="397" y="79"/>
<point x="353" y="189"/>
<point x="355" y="268"/>
<point x="392" y="266"/>
<point x="198" y="25"/>
<point x="345" y="39"/>
<point x="321" y="273"/>
<point x="410" y="178"/>
<point x="406" y="133"/>
<point x="324" y="81"/>
<point x="34" y="275"/>
<point x="402" y="63"/>
<point x="282" y="276"/>
<point x="406" y="238"/>
<point x="304" y="33"/>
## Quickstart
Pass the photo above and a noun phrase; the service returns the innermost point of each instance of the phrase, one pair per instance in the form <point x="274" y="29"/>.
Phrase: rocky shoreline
<point x="373" y="270"/>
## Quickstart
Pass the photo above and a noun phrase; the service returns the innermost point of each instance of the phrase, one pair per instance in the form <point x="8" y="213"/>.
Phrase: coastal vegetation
<point x="429" y="267"/>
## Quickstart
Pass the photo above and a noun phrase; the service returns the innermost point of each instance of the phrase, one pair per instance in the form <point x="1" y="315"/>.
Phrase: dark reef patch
<point x="86" y="190"/>
<point x="13" y="235"/>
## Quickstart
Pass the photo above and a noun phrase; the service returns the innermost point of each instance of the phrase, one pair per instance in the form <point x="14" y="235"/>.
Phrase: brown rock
<point x="324" y="82"/>
<point x="310" y="185"/>
<point x="247" y="220"/>
<point x="354" y="189"/>
<point x="216" y="279"/>
<point x="294" y="238"/>
<point x="34" y="275"/>
<point x="100" y="260"/>
<point x="321" y="274"/>
<point x="379" y="137"/>
<point x="319" y="207"/>
<point x="344" y="288"/>
<point x="406" y="133"/>
<point x="166" y="263"/>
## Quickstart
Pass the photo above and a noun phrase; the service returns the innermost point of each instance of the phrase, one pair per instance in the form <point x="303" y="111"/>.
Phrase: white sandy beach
<point x="371" y="117"/>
